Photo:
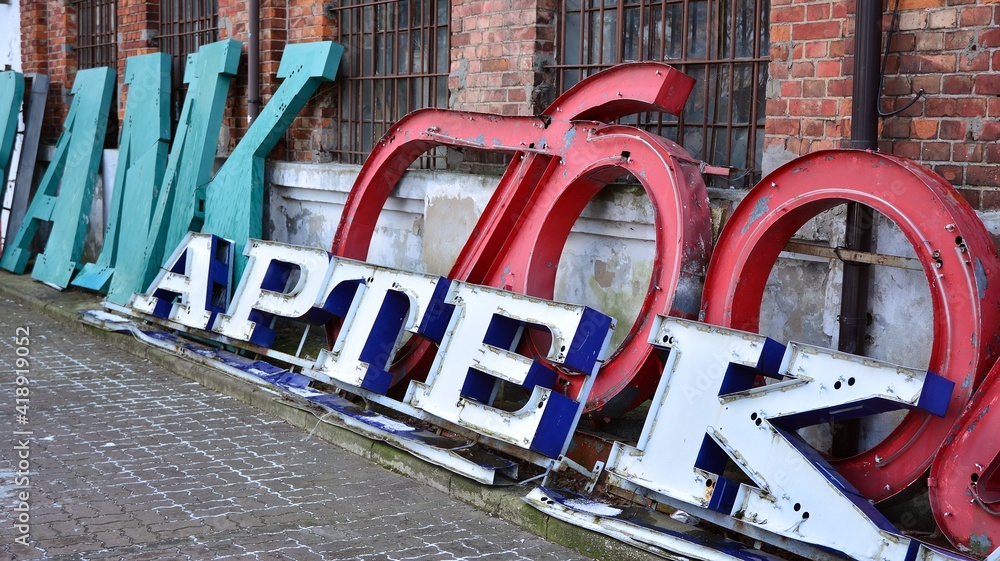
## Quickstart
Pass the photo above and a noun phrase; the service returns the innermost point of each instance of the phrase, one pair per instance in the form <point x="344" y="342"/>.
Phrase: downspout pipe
<point x="860" y="219"/>
<point x="253" y="60"/>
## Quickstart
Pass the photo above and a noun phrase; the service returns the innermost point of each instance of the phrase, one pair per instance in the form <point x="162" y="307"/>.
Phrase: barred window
<point x="97" y="46"/>
<point x="723" y="44"/>
<point x="396" y="60"/>
<point x="96" y="41"/>
<point x="185" y="25"/>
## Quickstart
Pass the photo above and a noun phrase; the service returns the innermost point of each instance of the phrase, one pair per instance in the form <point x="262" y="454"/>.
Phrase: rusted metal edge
<point x="634" y="492"/>
<point x="642" y="528"/>
<point x="852" y="255"/>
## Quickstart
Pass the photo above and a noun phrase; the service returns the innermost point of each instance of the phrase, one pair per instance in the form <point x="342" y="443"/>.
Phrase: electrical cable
<point x="885" y="57"/>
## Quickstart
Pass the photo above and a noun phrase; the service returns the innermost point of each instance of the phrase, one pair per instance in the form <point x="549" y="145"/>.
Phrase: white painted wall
<point x="10" y="36"/>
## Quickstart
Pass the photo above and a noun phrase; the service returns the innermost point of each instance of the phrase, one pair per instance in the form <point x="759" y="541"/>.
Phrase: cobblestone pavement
<point x="128" y="461"/>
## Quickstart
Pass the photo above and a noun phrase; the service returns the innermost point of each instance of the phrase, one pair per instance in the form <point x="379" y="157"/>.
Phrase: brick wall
<point x="138" y="23"/>
<point x="311" y="134"/>
<point x="498" y="49"/>
<point x="233" y="22"/>
<point x="48" y="33"/>
<point x="950" y="48"/>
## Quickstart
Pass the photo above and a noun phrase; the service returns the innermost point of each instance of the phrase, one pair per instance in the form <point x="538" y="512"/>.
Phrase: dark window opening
<point x="396" y="60"/>
<point x="97" y="46"/>
<point x="185" y="25"/>
<point x="723" y="44"/>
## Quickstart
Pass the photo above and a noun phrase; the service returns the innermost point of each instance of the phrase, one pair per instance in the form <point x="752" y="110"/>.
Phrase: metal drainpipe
<point x="860" y="218"/>
<point x="253" y="61"/>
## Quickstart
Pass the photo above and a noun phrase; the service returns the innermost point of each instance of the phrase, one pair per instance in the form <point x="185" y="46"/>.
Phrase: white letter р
<point x="263" y="291"/>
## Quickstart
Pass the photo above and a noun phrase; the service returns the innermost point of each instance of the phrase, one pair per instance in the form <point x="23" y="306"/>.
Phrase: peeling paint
<point x="981" y="280"/>
<point x="759" y="210"/>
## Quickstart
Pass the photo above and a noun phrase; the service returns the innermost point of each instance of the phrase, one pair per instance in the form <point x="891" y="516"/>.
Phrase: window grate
<point x="185" y="25"/>
<point x="97" y="47"/>
<point x="396" y="60"/>
<point x="96" y="41"/>
<point x="723" y="44"/>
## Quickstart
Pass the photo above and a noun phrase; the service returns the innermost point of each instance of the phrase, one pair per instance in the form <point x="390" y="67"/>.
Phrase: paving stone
<point x="132" y="462"/>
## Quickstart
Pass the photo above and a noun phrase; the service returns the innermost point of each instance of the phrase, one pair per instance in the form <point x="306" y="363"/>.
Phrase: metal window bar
<point x="96" y="42"/>
<point x="185" y="25"/>
<point x="723" y="44"/>
<point x="97" y="46"/>
<point x="396" y="60"/>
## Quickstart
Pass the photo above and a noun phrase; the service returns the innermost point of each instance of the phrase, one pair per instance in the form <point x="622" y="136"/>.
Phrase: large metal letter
<point x="378" y="306"/>
<point x="263" y="291"/>
<point x="192" y="155"/>
<point x="235" y="197"/>
<point x="11" y="95"/>
<point x="476" y="354"/>
<point x="18" y="190"/>
<point x="66" y="191"/>
<point x="195" y="284"/>
<point x="709" y="381"/>
<point x="142" y="154"/>
<point x="950" y="241"/>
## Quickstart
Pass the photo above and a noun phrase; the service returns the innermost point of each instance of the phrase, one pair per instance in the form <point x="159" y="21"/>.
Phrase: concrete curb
<point x="504" y="503"/>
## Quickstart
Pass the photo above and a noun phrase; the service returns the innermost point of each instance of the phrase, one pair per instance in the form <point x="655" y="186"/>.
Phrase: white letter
<point x="476" y="353"/>
<point x="195" y="284"/>
<point x="378" y="305"/>
<point x="263" y="291"/>
<point x="708" y="410"/>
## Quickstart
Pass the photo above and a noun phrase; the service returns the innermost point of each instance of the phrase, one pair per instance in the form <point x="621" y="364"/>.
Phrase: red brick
<point x="987" y="84"/>
<point x="791" y="89"/>
<point x="935" y="151"/>
<point x="907" y="149"/>
<point x="779" y="126"/>
<point x="984" y="176"/>
<point x="992" y="153"/>
<point x="957" y="84"/>
<point x="989" y="132"/>
<point x="818" y="12"/>
<point x="812" y="127"/>
<point x="818" y="49"/>
<point x="955" y="176"/>
<point x="970" y="106"/>
<point x="813" y="107"/>
<point x="828" y="68"/>
<point x="813" y="88"/>
<point x="803" y="69"/>
<point x="975" y="16"/>
<point x="953" y="130"/>
<point x="787" y="14"/>
<point x="966" y="152"/>
<point x="819" y="30"/>
<point x="896" y="128"/>
<point x="940" y="107"/>
<point x="839" y="87"/>
<point x="976" y="63"/>
<point x="924" y="128"/>
<point x="937" y="63"/>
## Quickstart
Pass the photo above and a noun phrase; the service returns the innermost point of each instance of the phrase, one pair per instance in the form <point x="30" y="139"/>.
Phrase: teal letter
<point x="235" y="197"/>
<point x="142" y="155"/>
<point x="66" y="191"/>
<point x="207" y="74"/>
<point x="11" y="95"/>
